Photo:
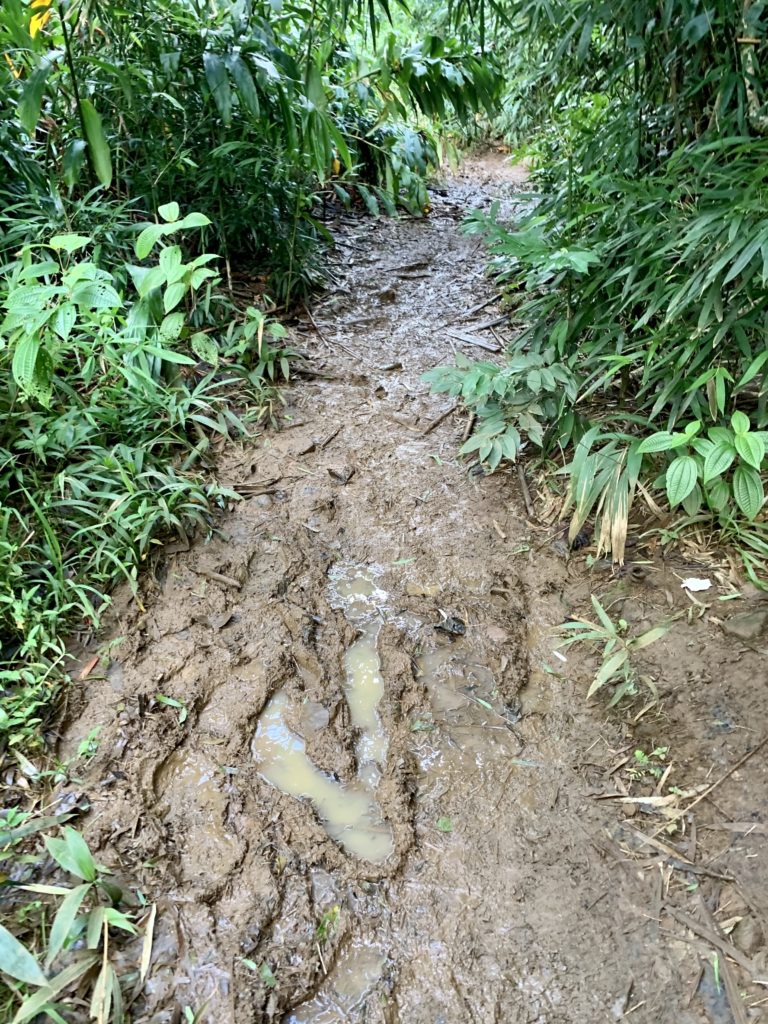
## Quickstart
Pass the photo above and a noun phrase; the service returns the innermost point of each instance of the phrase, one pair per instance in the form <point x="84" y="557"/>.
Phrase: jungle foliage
<point x="144" y="146"/>
<point x="639" y="267"/>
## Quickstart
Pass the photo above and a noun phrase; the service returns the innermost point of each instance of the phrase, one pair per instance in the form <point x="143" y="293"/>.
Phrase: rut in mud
<point x="373" y="797"/>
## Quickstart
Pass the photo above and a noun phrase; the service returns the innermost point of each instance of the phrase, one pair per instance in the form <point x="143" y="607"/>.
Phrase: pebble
<point x="748" y="625"/>
<point x="748" y="935"/>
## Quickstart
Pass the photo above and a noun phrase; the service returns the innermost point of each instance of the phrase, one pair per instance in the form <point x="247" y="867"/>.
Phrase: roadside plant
<point x="80" y="943"/>
<point x="617" y="649"/>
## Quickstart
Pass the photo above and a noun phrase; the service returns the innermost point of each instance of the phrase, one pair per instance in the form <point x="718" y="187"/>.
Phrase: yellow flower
<point x="39" y="20"/>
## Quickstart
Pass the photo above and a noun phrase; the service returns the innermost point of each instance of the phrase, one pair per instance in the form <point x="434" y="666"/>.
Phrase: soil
<point x="538" y="874"/>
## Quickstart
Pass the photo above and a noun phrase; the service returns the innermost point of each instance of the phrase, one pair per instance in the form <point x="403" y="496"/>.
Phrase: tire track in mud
<point x="479" y="912"/>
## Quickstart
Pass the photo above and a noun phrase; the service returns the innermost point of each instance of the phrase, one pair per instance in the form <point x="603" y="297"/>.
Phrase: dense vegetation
<point x="149" y="147"/>
<point x="640" y="273"/>
<point x="136" y="142"/>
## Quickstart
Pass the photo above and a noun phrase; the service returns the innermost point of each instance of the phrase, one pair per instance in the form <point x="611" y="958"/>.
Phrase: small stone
<point x="748" y="625"/>
<point x="748" y="936"/>
<point x="632" y="610"/>
<point x="263" y="500"/>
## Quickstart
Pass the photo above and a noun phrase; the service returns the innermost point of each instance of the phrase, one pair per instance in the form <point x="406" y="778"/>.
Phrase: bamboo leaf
<point x="97" y="143"/>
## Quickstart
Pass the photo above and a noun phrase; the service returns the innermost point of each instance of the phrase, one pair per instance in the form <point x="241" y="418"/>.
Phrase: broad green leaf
<point x="71" y="852"/>
<point x="64" y="320"/>
<point x="146" y="241"/>
<point x="751" y="449"/>
<point x="681" y="478"/>
<point x="740" y="422"/>
<point x="28" y="110"/>
<point x="74" y="158"/>
<point x="218" y="83"/>
<point x="246" y="89"/>
<point x="17" y="962"/>
<point x="70" y="242"/>
<point x="65" y="918"/>
<point x="753" y="369"/>
<point x="718" y="460"/>
<point x="97" y="143"/>
<point x="205" y="348"/>
<point x="748" y="490"/>
<point x="25" y="360"/>
<point x="194" y="220"/>
<point x="171" y="327"/>
<point x="173" y="295"/>
<point x="662" y="442"/>
<point x="169" y="212"/>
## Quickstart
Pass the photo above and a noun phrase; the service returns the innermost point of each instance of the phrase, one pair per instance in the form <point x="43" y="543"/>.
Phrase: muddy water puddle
<point x="345" y="990"/>
<point x="348" y="811"/>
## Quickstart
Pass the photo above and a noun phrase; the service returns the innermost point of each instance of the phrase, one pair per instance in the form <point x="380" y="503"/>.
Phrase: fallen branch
<point x="470" y="339"/>
<point x="439" y="419"/>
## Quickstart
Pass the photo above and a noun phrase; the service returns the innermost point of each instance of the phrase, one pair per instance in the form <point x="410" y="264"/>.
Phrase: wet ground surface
<point x="383" y="798"/>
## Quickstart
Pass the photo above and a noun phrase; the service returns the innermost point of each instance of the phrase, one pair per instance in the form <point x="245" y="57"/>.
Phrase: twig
<point x="713" y="938"/>
<point x="470" y="339"/>
<point x="219" y="577"/>
<point x="476" y="309"/>
<point x="526" y="493"/>
<point x="322" y="337"/>
<point x="439" y="419"/>
<point x="468" y="428"/>
<point x="322" y="961"/>
<point x="731" y="986"/>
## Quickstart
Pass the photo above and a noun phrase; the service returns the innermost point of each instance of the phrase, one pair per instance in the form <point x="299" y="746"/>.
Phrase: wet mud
<point x="380" y="798"/>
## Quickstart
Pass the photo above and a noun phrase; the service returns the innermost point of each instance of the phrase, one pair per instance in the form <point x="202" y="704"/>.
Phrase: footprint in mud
<point x="346" y="988"/>
<point x="348" y="812"/>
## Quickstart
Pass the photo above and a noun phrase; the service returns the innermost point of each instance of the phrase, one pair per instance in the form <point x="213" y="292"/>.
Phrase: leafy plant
<point x="719" y="470"/>
<point x="617" y="650"/>
<point x="80" y="939"/>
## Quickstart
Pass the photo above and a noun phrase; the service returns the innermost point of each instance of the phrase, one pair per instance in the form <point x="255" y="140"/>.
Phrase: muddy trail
<point x="380" y="797"/>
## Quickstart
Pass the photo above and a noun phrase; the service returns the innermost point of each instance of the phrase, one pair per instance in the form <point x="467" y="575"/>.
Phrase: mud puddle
<point x="386" y="794"/>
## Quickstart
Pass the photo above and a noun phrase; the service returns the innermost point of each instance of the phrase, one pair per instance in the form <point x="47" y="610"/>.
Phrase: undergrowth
<point x="114" y="384"/>
<point x="638" y="269"/>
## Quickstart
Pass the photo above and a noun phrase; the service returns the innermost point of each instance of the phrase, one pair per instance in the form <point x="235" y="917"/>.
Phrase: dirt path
<point x="453" y="865"/>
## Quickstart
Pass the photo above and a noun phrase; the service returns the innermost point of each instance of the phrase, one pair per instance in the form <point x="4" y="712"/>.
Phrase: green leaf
<point x="148" y="238"/>
<point x="218" y="83"/>
<point x="169" y="212"/>
<point x="74" y="158"/>
<point x="740" y="422"/>
<point x="748" y="490"/>
<point x="751" y="449"/>
<point x="266" y="975"/>
<point x="65" y="917"/>
<point x="662" y="442"/>
<point x="72" y="853"/>
<point x="607" y="671"/>
<point x="17" y="962"/>
<point x="246" y="88"/>
<point x="70" y="242"/>
<point x="28" y="110"/>
<point x="173" y="295"/>
<point x="444" y="824"/>
<point x="35" y="1004"/>
<point x="97" y="143"/>
<point x="171" y="327"/>
<point x="25" y="361"/>
<point x="718" y="460"/>
<point x="646" y="639"/>
<point x="681" y="478"/>
<point x="168" y="355"/>
<point x="205" y="348"/>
